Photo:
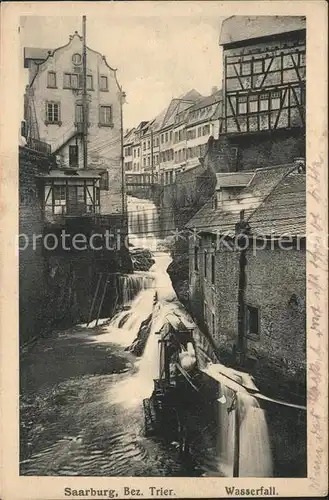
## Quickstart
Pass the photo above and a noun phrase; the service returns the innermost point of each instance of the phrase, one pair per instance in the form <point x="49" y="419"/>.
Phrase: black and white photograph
<point x="162" y="256"/>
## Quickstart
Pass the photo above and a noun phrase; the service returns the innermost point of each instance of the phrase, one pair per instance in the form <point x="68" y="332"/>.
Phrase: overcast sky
<point x="157" y="57"/>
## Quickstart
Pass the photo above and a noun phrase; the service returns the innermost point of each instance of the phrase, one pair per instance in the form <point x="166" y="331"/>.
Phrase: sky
<point x="157" y="57"/>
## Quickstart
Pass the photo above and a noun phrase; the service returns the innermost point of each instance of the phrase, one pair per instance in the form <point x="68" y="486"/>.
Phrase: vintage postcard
<point x="164" y="218"/>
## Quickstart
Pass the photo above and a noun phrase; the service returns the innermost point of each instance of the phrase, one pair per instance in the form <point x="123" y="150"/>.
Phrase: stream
<point x="82" y="391"/>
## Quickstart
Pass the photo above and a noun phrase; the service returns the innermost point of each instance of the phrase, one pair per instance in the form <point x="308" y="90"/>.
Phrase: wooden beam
<point x="234" y="116"/>
<point x="283" y="96"/>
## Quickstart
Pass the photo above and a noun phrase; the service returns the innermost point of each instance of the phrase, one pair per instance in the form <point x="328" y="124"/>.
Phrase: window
<point x="206" y="129"/>
<point x="52" y="112"/>
<point x="205" y="262"/>
<point x="71" y="81"/>
<point x="134" y="153"/>
<point x="170" y="135"/>
<point x="258" y="66"/>
<point x="199" y="131"/>
<point x="166" y="136"/>
<point x="79" y="113"/>
<point x="103" y="83"/>
<point x="263" y="102"/>
<point x="105" y="116"/>
<point x="302" y="59"/>
<point x="51" y="80"/>
<point x="76" y="59"/>
<point x="275" y="100"/>
<point x="196" y="258"/>
<point x="252" y="321"/>
<point x="73" y="156"/>
<point x="59" y="195"/>
<point x="144" y="162"/>
<point x="213" y="268"/>
<point x="148" y="144"/>
<point x="162" y="139"/>
<point x="253" y="104"/>
<point x="213" y="324"/>
<point x="104" y="181"/>
<point x="89" y="82"/>
<point x="242" y="105"/>
<point x="80" y="194"/>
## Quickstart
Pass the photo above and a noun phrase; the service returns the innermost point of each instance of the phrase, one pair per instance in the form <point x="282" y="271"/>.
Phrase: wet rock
<point x="138" y="345"/>
<point x="142" y="259"/>
<point x="178" y="271"/>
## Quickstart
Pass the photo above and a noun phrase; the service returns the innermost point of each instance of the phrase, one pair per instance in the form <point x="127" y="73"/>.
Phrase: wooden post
<point x="94" y="298"/>
<point x="102" y="299"/>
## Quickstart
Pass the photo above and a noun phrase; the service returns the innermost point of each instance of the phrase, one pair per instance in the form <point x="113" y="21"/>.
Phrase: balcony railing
<point x="37" y="145"/>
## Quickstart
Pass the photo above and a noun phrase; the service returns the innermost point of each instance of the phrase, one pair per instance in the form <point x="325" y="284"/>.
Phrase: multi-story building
<point x="166" y="134"/>
<point x="264" y="89"/>
<point x="258" y="164"/>
<point x="54" y="114"/>
<point x="193" y="128"/>
<point x="128" y="142"/>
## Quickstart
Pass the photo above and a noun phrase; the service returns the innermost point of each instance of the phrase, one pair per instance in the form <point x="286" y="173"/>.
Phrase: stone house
<point x="54" y="113"/>
<point x="247" y="274"/>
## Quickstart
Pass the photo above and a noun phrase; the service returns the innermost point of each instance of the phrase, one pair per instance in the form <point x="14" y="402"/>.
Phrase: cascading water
<point x="143" y="223"/>
<point x="239" y="412"/>
<point x="155" y="302"/>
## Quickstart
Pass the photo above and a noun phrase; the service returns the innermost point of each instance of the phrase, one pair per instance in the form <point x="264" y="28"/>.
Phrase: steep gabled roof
<point x="264" y="188"/>
<point x="240" y="28"/>
<point x="284" y="211"/>
<point x="35" y="54"/>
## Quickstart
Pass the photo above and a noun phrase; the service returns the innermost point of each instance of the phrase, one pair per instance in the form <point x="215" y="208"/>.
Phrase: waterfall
<point x="149" y="300"/>
<point x="130" y="284"/>
<point x="254" y="456"/>
<point x="143" y="223"/>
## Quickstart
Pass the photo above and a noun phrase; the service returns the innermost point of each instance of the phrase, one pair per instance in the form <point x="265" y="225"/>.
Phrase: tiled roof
<point x="264" y="188"/>
<point x="69" y="174"/>
<point x="209" y="100"/>
<point x="35" y="53"/>
<point x="284" y="210"/>
<point x="239" y="28"/>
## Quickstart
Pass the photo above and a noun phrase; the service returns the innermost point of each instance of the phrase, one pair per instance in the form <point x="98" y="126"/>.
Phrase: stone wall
<point x="56" y="289"/>
<point x="276" y="285"/>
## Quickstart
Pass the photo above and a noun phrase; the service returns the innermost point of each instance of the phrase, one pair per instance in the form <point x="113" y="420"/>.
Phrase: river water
<point x="82" y="398"/>
<point x="81" y="404"/>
